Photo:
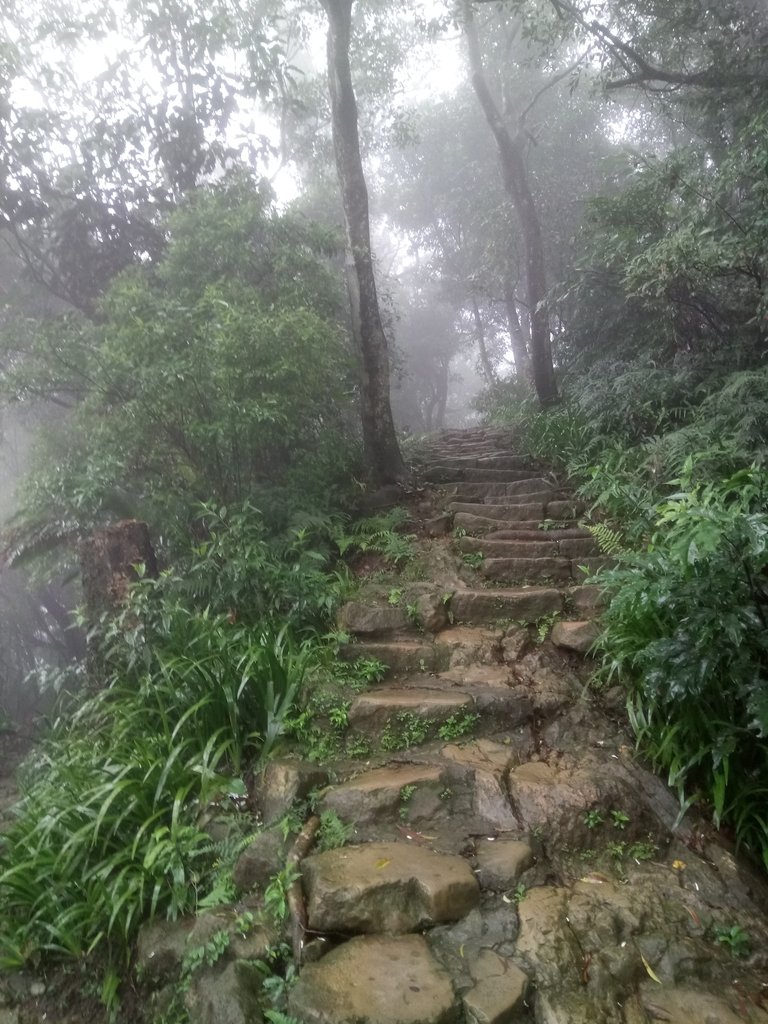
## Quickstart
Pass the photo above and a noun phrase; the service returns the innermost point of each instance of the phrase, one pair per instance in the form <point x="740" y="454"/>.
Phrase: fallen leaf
<point x="679" y="865"/>
<point x="694" y="917"/>
<point x="595" y="878"/>
<point x="650" y="971"/>
<point x="383" y="862"/>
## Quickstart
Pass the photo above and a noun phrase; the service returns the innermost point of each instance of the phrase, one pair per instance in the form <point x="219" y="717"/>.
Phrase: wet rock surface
<point x="587" y="907"/>
<point x="376" y="980"/>
<point x="386" y="887"/>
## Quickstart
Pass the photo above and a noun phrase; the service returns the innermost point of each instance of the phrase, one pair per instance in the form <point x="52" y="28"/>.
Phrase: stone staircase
<point x="510" y="861"/>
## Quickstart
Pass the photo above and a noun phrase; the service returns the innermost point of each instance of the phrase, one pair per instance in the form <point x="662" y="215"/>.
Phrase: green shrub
<point x="200" y="674"/>
<point x="686" y="630"/>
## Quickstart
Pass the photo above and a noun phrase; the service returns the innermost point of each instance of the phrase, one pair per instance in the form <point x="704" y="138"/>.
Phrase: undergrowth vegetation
<point x="198" y="679"/>
<point x="673" y="474"/>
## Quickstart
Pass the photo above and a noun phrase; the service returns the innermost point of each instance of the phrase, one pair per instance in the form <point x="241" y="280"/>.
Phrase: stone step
<point x="472" y="474"/>
<point x="559" y="569"/>
<point x="378" y="794"/>
<point x="385" y="888"/>
<point x="378" y="708"/>
<point x="402" y="657"/>
<point x="526" y="604"/>
<point x="542" y="546"/>
<point x="489" y="461"/>
<point x="513" y="491"/>
<point x="488" y="474"/>
<point x="529" y="512"/>
<point x="515" y="512"/>
<point x="376" y="979"/>
<point x="470" y="522"/>
<point x="412" y="712"/>
<point x="569" y="533"/>
<point x="519" y="569"/>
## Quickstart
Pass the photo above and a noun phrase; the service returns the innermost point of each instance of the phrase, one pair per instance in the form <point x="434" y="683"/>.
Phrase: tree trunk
<point x="382" y="451"/>
<point x="515" y="177"/>
<point x="523" y="367"/>
<point x="485" y="362"/>
<point x="108" y="561"/>
<point x="442" y="393"/>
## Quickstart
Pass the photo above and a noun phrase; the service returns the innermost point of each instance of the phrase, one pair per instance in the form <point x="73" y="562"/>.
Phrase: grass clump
<point x="199" y="676"/>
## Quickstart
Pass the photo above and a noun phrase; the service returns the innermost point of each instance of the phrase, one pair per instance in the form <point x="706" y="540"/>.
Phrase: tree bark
<point x="382" y="451"/>
<point x="442" y="393"/>
<point x="515" y="177"/>
<point x="108" y="560"/>
<point x="485" y="362"/>
<point x="523" y="367"/>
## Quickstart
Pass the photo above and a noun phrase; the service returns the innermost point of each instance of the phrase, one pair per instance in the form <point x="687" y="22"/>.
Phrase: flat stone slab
<point x="524" y="604"/>
<point x="375" y="795"/>
<point x="526" y="512"/>
<point x="587" y="599"/>
<point x="401" y="656"/>
<point x="375" y="980"/>
<point x="371" y="619"/>
<point x="526" y="568"/>
<point x="539" y="547"/>
<point x="386" y="887"/>
<point x="487" y="755"/>
<point x="476" y="522"/>
<point x="372" y="711"/>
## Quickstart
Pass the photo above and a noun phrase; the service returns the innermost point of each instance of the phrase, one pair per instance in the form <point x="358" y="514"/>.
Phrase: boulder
<point x="432" y="612"/>
<point x="259" y="861"/>
<point x="228" y="996"/>
<point x="283" y="782"/>
<point x="574" y="636"/>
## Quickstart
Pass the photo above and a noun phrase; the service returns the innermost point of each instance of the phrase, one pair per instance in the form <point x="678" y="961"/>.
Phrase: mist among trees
<point x="251" y="250"/>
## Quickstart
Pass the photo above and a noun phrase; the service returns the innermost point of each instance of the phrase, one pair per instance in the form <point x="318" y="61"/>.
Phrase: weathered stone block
<point x="386" y="887"/>
<point x="375" y="980"/>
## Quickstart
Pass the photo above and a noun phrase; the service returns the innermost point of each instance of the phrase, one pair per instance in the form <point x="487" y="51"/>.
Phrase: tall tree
<point x="383" y="456"/>
<point x="515" y="176"/>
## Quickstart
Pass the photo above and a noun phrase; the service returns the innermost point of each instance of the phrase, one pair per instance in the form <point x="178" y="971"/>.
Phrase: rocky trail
<point x="507" y="858"/>
<point x="526" y="870"/>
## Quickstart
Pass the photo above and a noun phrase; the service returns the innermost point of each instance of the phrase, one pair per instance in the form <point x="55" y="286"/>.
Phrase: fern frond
<point x="611" y="542"/>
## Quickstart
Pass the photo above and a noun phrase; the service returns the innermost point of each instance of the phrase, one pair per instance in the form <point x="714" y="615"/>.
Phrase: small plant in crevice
<point x="619" y="819"/>
<point x="406" y="796"/>
<point x="403" y="731"/>
<point x="333" y="832"/>
<point x="206" y="955"/>
<point x="276" y="894"/>
<point x="593" y="819"/>
<point x="544" y="626"/>
<point x="734" y="938"/>
<point x="458" y="725"/>
<point x="381" y="534"/>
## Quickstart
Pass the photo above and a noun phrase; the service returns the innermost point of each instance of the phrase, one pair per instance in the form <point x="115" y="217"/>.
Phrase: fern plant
<point x="610" y="541"/>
